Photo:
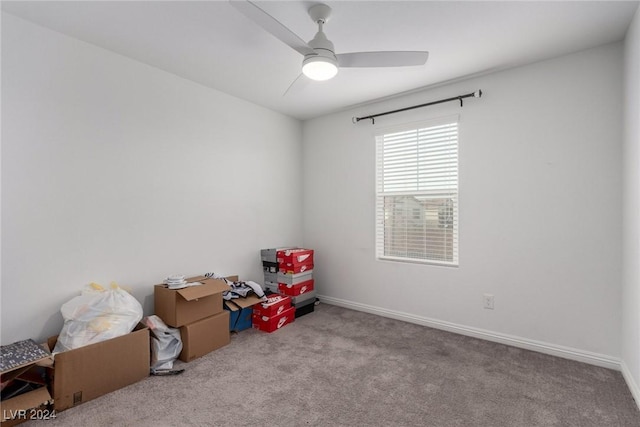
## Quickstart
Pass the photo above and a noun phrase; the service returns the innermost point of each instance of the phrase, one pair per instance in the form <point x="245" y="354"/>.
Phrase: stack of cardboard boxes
<point x="289" y="271"/>
<point x="274" y="313"/>
<point x="198" y="312"/>
<point x="295" y="278"/>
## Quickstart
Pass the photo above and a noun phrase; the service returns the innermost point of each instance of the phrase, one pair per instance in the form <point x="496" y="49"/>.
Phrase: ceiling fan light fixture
<point x="319" y="68"/>
<point x="320" y="60"/>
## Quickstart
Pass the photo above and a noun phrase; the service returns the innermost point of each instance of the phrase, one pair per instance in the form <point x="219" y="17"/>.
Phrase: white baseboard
<point x="633" y="386"/>
<point x="541" y="347"/>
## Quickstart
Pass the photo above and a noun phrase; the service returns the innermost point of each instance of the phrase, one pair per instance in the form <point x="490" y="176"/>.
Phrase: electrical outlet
<point x="488" y="301"/>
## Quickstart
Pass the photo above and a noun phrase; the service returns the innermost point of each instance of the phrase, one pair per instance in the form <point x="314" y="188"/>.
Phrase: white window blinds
<point x="417" y="194"/>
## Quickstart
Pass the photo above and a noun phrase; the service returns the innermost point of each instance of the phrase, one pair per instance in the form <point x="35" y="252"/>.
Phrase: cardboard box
<point x="295" y="290"/>
<point x="21" y="369"/>
<point x="84" y="373"/>
<point x="240" y="312"/>
<point x="295" y="256"/>
<point x="289" y="268"/>
<point x="183" y="306"/>
<point x="274" y="305"/>
<point x="294" y="279"/>
<point x="270" y="324"/>
<point x="33" y="404"/>
<point x="204" y="336"/>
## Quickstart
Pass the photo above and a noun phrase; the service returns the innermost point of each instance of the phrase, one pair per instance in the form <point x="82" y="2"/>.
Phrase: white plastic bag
<point x="166" y="343"/>
<point x="96" y="315"/>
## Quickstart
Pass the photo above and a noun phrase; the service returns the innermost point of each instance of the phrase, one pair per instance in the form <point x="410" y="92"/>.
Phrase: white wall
<point x="116" y="171"/>
<point x="631" y="211"/>
<point x="540" y="208"/>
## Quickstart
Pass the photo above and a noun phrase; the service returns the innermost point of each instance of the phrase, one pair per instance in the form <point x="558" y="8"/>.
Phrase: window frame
<point x="379" y="194"/>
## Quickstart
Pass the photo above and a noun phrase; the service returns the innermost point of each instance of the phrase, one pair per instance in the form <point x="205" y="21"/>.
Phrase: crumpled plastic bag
<point x="98" y="314"/>
<point x="166" y="343"/>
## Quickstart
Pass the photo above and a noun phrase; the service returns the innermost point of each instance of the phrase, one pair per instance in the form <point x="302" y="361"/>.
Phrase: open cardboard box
<point x="22" y="363"/>
<point x="33" y="404"/>
<point x="84" y="373"/>
<point x="241" y="312"/>
<point x="179" y="307"/>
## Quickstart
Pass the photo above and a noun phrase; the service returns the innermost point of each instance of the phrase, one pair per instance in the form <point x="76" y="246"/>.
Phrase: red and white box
<point x="295" y="256"/>
<point x="274" y="305"/>
<point x="295" y="290"/>
<point x="273" y="323"/>
<point x="289" y="268"/>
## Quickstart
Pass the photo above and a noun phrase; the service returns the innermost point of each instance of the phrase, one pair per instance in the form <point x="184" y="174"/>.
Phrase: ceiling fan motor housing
<point x="323" y="59"/>
<point x="322" y="46"/>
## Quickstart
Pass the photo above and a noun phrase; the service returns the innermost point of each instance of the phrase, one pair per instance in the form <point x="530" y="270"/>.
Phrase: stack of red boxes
<point x="274" y="313"/>
<point x="295" y="267"/>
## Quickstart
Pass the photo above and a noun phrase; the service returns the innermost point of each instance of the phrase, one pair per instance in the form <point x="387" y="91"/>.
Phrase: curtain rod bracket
<point x="357" y="119"/>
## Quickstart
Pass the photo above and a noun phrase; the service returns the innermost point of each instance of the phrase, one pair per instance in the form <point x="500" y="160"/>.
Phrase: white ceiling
<point x="211" y="43"/>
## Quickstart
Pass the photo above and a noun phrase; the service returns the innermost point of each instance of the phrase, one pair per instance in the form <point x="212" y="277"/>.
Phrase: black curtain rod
<point x="476" y="94"/>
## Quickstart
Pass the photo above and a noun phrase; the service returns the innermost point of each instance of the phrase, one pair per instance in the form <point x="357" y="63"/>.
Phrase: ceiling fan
<point x="320" y="60"/>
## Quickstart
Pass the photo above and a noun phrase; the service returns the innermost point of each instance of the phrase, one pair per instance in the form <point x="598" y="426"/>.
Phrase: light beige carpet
<point x="338" y="367"/>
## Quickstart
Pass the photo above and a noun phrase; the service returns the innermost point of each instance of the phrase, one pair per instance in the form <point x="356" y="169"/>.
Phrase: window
<point x="417" y="193"/>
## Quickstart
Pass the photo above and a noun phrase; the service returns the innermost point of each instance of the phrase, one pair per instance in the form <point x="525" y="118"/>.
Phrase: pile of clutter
<point x="104" y="326"/>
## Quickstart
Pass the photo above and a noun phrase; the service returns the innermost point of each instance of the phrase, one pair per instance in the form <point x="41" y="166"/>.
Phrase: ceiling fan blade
<point x="272" y="26"/>
<point x="382" y="59"/>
